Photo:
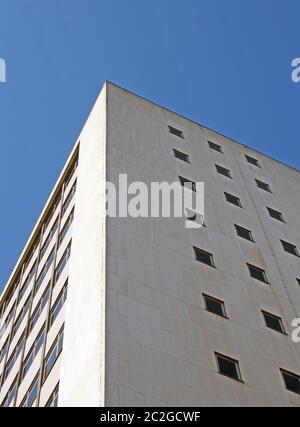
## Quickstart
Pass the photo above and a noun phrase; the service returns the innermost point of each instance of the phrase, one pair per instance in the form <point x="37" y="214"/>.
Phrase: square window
<point x="288" y="247"/>
<point x="213" y="305"/>
<point x="187" y="183"/>
<point x="223" y="171"/>
<point x="228" y="367"/>
<point x="181" y="156"/>
<point x="233" y="200"/>
<point x="176" y="132"/>
<point x="257" y="273"/>
<point x="273" y="322"/>
<point x="244" y="233"/>
<point x="204" y="257"/>
<point x="292" y="381"/>
<point x="215" y="146"/>
<point x="194" y="217"/>
<point x="252" y="160"/>
<point x="263" y="185"/>
<point x="275" y="214"/>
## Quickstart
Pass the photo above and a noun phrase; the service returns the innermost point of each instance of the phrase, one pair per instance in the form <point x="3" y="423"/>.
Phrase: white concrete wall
<point x="82" y="363"/>
<point x="160" y="341"/>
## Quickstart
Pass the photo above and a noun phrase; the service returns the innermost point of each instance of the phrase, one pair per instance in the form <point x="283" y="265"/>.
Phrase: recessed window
<point x="214" y="305"/>
<point x="252" y="160"/>
<point x="53" y="399"/>
<point x="292" y="381"/>
<point x="31" y="394"/>
<point x="53" y="353"/>
<point x="263" y="185"/>
<point x="204" y="257"/>
<point x="257" y="273"/>
<point x="215" y="146"/>
<point x="233" y="200"/>
<point x="194" y="217"/>
<point x="176" y="132"/>
<point x="273" y="322"/>
<point x="298" y="281"/>
<point x="275" y="214"/>
<point x="288" y="247"/>
<point x="223" y="171"/>
<point x="181" y="156"/>
<point x="228" y="367"/>
<point x="187" y="183"/>
<point x="244" y="233"/>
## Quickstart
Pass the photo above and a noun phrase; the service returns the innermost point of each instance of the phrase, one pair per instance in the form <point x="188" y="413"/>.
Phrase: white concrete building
<point x="145" y="312"/>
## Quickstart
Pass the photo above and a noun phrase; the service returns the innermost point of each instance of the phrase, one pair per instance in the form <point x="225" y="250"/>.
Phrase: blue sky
<point x="225" y="64"/>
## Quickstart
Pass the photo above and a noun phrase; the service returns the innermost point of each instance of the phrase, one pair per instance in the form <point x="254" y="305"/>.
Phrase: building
<point x="145" y="312"/>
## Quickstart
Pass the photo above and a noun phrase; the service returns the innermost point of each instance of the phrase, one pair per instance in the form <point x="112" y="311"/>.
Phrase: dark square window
<point x="298" y="280"/>
<point x="214" y="305"/>
<point x="257" y="273"/>
<point x="252" y="160"/>
<point x="292" y="381"/>
<point x="215" y="146"/>
<point x="176" y="132"/>
<point x="275" y="214"/>
<point x="288" y="247"/>
<point x="181" y="156"/>
<point x="204" y="257"/>
<point x="273" y="322"/>
<point x="233" y="200"/>
<point x="263" y="185"/>
<point x="244" y="233"/>
<point x="223" y="171"/>
<point x="228" y="367"/>
<point x="187" y="183"/>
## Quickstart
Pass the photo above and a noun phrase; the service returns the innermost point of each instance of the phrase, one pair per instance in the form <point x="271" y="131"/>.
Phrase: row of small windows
<point x="217" y="306"/>
<point x="46" y="243"/>
<point x="34" y="318"/>
<point x="49" y="361"/>
<point x="226" y="365"/>
<point x="42" y="274"/>
<point x="255" y="272"/>
<point x="40" y="337"/>
<point x="38" y="310"/>
<point x="242" y="232"/>
<point x="20" y="347"/>
<point x="230" y="367"/>
<point x="213" y="146"/>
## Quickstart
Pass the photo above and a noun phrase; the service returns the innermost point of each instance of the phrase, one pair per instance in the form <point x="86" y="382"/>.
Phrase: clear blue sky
<point x="225" y="64"/>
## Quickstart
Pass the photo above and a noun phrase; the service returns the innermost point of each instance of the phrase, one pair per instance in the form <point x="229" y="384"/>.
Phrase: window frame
<point x="252" y="160"/>
<point x="266" y="314"/>
<point x="275" y="214"/>
<point x="204" y="252"/>
<point x="53" y="398"/>
<point x="35" y="383"/>
<point x="239" y="229"/>
<point x="176" y="132"/>
<point x="216" y="147"/>
<point x="294" y="250"/>
<point x="263" y="185"/>
<point x="217" y="300"/>
<point x="184" y="180"/>
<point x="235" y="362"/>
<point x="290" y="374"/>
<point x="231" y="196"/>
<point x="180" y="155"/>
<point x="57" y="346"/>
<point x="254" y="267"/>
<point x="221" y="170"/>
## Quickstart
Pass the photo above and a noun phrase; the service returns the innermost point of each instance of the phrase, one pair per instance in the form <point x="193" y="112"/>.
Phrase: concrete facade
<point x="136" y="330"/>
